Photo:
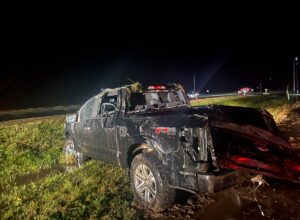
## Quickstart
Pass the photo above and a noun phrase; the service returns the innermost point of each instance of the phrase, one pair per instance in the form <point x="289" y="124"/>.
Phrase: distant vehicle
<point x="245" y="91"/>
<point x="193" y="95"/>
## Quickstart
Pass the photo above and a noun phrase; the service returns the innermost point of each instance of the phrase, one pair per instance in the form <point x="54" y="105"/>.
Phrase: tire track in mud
<point x="186" y="206"/>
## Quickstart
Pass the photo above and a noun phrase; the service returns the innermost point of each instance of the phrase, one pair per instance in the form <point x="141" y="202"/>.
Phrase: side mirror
<point x="71" y="118"/>
<point x="107" y="109"/>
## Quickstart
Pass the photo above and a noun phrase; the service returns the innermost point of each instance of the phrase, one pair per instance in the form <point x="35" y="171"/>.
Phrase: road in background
<point x="62" y="110"/>
<point x="37" y="112"/>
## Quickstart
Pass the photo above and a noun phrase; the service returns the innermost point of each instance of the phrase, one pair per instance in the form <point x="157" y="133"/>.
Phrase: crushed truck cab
<point x="166" y="144"/>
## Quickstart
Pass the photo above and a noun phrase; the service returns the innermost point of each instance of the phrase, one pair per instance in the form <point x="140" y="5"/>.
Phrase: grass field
<point x="277" y="105"/>
<point x="30" y="147"/>
<point x="96" y="190"/>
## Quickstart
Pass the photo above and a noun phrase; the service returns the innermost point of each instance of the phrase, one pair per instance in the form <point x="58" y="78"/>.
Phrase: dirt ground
<point x="273" y="200"/>
<point x="277" y="200"/>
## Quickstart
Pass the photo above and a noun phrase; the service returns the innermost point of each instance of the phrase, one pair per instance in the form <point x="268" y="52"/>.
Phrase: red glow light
<point x="253" y="163"/>
<point x="157" y="87"/>
<point x="241" y="159"/>
<point x="294" y="166"/>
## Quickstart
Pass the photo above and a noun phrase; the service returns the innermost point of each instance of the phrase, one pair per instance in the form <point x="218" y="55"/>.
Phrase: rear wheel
<point x="149" y="182"/>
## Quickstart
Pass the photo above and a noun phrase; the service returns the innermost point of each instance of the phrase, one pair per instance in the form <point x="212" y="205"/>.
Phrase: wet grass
<point x="28" y="147"/>
<point x="96" y="190"/>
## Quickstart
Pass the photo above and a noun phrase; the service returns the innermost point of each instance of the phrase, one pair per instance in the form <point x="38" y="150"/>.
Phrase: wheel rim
<point x="145" y="183"/>
<point x="70" y="149"/>
<point x="72" y="154"/>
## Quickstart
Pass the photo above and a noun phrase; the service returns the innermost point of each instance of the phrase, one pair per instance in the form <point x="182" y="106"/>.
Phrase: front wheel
<point x="72" y="155"/>
<point x="149" y="182"/>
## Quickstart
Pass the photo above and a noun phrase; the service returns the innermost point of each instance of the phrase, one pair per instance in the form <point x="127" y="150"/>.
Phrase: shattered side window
<point x="108" y="109"/>
<point x="180" y="97"/>
<point x="87" y="110"/>
<point x="136" y="101"/>
<point x="177" y="96"/>
<point x="151" y="96"/>
<point x="163" y="97"/>
<point x="110" y="99"/>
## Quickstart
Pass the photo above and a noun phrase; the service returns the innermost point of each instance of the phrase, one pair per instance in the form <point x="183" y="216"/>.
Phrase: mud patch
<point x="185" y="207"/>
<point x="278" y="200"/>
<point x="33" y="177"/>
<point x="228" y="205"/>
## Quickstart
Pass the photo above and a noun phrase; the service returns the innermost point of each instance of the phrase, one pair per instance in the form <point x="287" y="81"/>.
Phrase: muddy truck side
<point x="168" y="145"/>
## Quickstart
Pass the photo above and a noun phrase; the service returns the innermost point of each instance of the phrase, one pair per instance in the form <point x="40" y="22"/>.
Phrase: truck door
<point x="82" y="128"/>
<point x="103" y="131"/>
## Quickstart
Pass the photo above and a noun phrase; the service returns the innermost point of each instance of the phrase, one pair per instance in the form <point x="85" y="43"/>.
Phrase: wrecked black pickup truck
<point x="167" y="145"/>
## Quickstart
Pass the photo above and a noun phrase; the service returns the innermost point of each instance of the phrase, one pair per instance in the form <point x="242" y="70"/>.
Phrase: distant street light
<point x="296" y="70"/>
<point x="295" y="75"/>
<point x="194" y="80"/>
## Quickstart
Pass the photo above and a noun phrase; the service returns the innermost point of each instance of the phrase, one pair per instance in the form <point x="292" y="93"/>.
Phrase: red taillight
<point x="156" y="87"/>
<point x="293" y="166"/>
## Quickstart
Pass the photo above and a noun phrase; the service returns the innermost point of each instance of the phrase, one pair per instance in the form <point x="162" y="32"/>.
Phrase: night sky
<point x="65" y="63"/>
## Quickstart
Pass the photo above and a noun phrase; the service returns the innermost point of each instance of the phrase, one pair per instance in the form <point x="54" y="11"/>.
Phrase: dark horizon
<point x="62" y="68"/>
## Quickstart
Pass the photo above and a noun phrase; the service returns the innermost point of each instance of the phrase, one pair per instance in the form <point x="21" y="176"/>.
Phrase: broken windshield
<point x="156" y="100"/>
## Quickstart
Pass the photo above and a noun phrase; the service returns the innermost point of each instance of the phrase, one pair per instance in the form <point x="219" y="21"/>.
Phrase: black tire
<point x="71" y="150"/>
<point x="157" y="195"/>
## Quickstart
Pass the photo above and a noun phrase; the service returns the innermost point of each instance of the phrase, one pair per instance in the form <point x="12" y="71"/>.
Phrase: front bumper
<point x="210" y="183"/>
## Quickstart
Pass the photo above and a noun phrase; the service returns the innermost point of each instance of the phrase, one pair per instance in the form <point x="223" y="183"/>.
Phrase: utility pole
<point x="296" y="72"/>
<point x="295" y="76"/>
<point x="194" y="83"/>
